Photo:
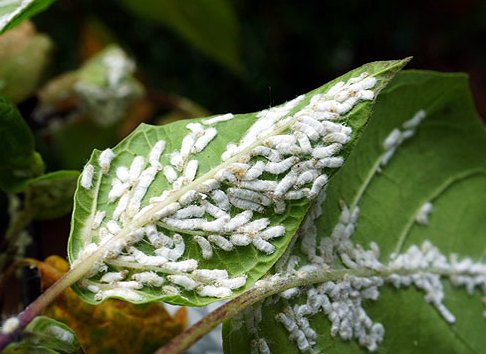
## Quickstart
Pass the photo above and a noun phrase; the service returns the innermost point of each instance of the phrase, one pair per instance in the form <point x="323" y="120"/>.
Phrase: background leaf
<point x="443" y="163"/>
<point x="209" y="25"/>
<point x="93" y="199"/>
<point x="13" y="12"/>
<point x="19" y="159"/>
<point x="45" y="336"/>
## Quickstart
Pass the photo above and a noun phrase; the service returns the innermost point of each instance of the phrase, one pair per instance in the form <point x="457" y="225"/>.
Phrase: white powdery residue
<point x="86" y="179"/>
<point x="61" y="334"/>
<point x="104" y="160"/>
<point x="423" y="214"/>
<point x="218" y="119"/>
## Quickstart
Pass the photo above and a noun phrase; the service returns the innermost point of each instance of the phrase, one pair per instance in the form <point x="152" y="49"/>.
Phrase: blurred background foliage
<point x="85" y="73"/>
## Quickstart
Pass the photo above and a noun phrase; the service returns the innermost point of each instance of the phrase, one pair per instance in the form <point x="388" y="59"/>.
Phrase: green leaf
<point x="130" y="240"/>
<point x="442" y="163"/>
<point x="51" y="195"/>
<point x="45" y="335"/>
<point x="13" y="12"/>
<point x="210" y="26"/>
<point x="19" y="159"/>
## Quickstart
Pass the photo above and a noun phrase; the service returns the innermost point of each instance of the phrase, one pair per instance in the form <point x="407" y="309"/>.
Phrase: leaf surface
<point x="193" y="245"/>
<point x="13" y="12"/>
<point x="443" y="163"/>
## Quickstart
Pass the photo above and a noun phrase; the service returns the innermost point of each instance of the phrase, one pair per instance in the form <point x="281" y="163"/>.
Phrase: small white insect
<point x="214" y="291"/>
<point x="254" y="226"/>
<point x="246" y="204"/>
<point x="263" y="346"/>
<point x="191" y="169"/>
<point x="190" y="211"/>
<point x="335" y="89"/>
<point x="132" y="284"/>
<point x="148" y="278"/>
<point x="215" y="225"/>
<point x="272" y="232"/>
<point x="98" y="219"/>
<point x="233" y="283"/>
<point x="415" y="120"/>
<point x="136" y="168"/>
<point x="170" y="173"/>
<point x="326" y="151"/>
<point x="205" y="245"/>
<point x="121" y="206"/>
<point x="125" y="294"/>
<point x="366" y="95"/>
<point x="207" y="275"/>
<point x="306" y="177"/>
<point x="262" y="245"/>
<point x="174" y="253"/>
<point x="231" y="150"/>
<point x="10" y="325"/>
<point x="218" y="119"/>
<point x="117" y="189"/>
<point x="250" y="195"/>
<point x="254" y="171"/>
<point x="221" y="242"/>
<point x="122" y="174"/>
<point x="188" y="197"/>
<point x="392" y="140"/>
<point x="330" y="162"/>
<point x="277" y="168"/>
<point x="208" y="185"/>
<point x="288" y="322"/>
<point x="86" y="180"/>
<point x="186" y="146"/>
<point x="167" y="210"/>
<point x="214" y="211"/>
<point x="112" y="277"/>
<point x="422" y="217"/>
<point x="240" y="239"/>
<point x="314" y="123"/>
<point x="275" y="140"/>
<point x="182" y="280"/>
<point x="259" y="185"/>
<point x="221" y="199"/>
<point x="104" y="160"/>
<point x="340" y="138"/>
<point x="196" y="129"/>
<point x="185" y="224"/>
<point x="113" y="227"/>
<point x="187" y="265"/>
<point x="177" y="160"/>
<point x="285" y="183"/>
<point x="154" y="155"/>
<point x="225" y="175"/>
<point x="318" y="184"/>
<point x="304" y="142"/>
<point x="204" y="140"/>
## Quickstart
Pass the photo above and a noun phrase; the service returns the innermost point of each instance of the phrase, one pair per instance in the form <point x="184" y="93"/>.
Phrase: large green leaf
<point x="210" y="26"/>
<point x="119" y="239"/>
<point x="45" y="336"/>
<point x="19" y="160"/>
<point x="13" y="12"/>
<point x="443" y="163"/>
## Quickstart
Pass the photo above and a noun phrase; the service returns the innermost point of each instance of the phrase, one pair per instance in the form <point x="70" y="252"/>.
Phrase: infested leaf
<point x="205" y="219"/>
<point x="413" y="261"/>
<point x="114" y="326"/>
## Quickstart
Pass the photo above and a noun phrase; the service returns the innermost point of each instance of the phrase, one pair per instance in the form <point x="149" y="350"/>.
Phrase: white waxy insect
<point x="330" y="162"/>
<point x="177" y="160"/>
<point x="263" y="346"/>
<point x="332" y="127"/>
<point x="214" y="291"/>
<point x="260" y="185"/>
<point x="422" y="216"/>
<point x="204" y="140"/>
<point x="144" y="181"/>
<point x="366" y="95"/>
<point x="215" y="225"/>
<point x="307" y="130"/>
<point x="288" y="322"/>
<point x="288" y="149"/>
<point x="170" y="290"/>
<point x="407" y="134"/>
<point x="136" y="168"/>
<point x="208" y="185"/>
<point x="167" y="210"/>
<point x="270" y="154"/>
<point x="196" y="129"/>
<point x="125" y="294"/>
<point x="185" y="224"/>
<point x="142" y="258"/>
<point x="240" y="239"/>
<point x="254" y="171"/>
<point x="190" y="211"/>
<point x="262" y="245"/>
<point x="121" y="206"/>
<point x="191" y="170"/>
<point x="326" y="151"/>
<point x="277" y="168"/>
<point x="335" y="89"/>
<point x="279" y="206"/>
<point x="319" y="182"/>
<point x="148" y="278"/>
<point x="315" y="124"/>
<point x="10" y="325"/>
<point x="218" y="119"/>
<point x="188" y="197"/>
<point x="285" y="184"/>
<point x="239" y="220"/>
<point x="327" y="106"/>
<point x="93" y="288"/>
<point x="214" y="211"/>
<point x="221" y="242"/>
<point x="86" y="180"/>
<point x="182" y="280"/>
<point x="154" y="155"/>
<point x="170" y="173"/>
<point x="344" y="107"/>
<point x="122" y="174"/>
<point x="304" y="142"/>
<point x="172" y="254"/>
<point x="367" y="83"/>
<point x="249" y="195"/>
<point x="306" y="177"/>
<point x="246" y="204"/>
<point x="298" y="194"/>
<point x="392" y="140"/>
<point x="186" y="146"/>
<point x="225" y="175"/>
<point x="113" y="227"/>
<point x="98" y="219"/>
<point x="205" y="245"/>
<point x="117" y="189"/>
<point x="129" y="284"/>
<point x="254" y="226"/>
<point x="187" y="265"/>
<point x="340" y="138"/>
<point x="233" y="283"/>
<point x="104" y="160"/>
<point x="221" y="199"/>
<point x="415" y="120"/>
<point x="280" y="139"/>
<point x="231" y="150"/>
<point x="272" y="232"/>
<point x="210" y="274"/>
<point x="156" y="238"/>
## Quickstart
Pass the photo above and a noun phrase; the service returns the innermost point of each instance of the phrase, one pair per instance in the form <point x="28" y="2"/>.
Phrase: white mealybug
<point x="254" y="226"/>
<point x="263" y="346"/>
<point x="225" y="175"/>
<point x="254" y="171"/>
<point x="231" y="150"/>
<point x="206" y="248"/>
<point x="238" y="220"/>
<point x="208" y="185"/>
<point x="307" y="130"/>
<point x="187" y="265"/>
<point x="86" y="180"/>
<point x="304" y="142"/>
<point x="340" y="138"/>
<point x="136" y="168"/>
<point x="142" y="258"/>
<point x="172" y="254"/>
<point x="125" y="294"/>
<point x="335" y="89"/>
<point x="221" y="242"/>
<point x="132" y="284"/>
<point x="240" y="239"/>
<point x="246" y="204"/>
<point x="170" y="173"/>
<point x="117" y="189"/>
<point x="415" y="120"/>
<point x="122" y="174"/>
<point x="182" y="280"/>
<point x="262" y="245"/>
<point x="191" y="170"/>
<point x="214" y="291"/>
<point x="207" y="275"/>
<point x="185" y="224"/>
<point x="214" y="211"/>
<point x="98" y="219"/>
<point x="204" y="140"/>
<point x="10" y="325"/>
<point x="177" y="160"/>
<point x="148" y="278"/>
<point x="282" y="166"/>
<point x="319" y="182"/>
<point x="188" y="197"/>
<point x="155" y="153"/>
<point x="285" y="184"/>
<point x="221" y="199"/>
<point x="233" y="283"/>
<point x="215" y="225"/>
<point x="298" y="194"/>
<point x="121" y="206"/>
<point x="186" y="146"/>
<point x="167" y="210"/>
<point x="287" y="321"/>
<point x="190" y="211"/>
<point x="306" y="177"/>
<point x="330" y="162"/>
<point x="392" y="140"/>
<point x="422" y="216"/>
<point x="326" y="151"/>
<point x="249" y="195"/>
<point x="113" y="227"/>
<point x="272" y="232"/>
<point x="196" y="129"/>
<point x="259" y="185"/>
<point x="104" y="160"/>
<point x="315" y="124"/>
<point x="280" y="139"/>
<point x="366" y="95"/>
<point x="145" y="180"/>
<point x="218" y="119"/>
